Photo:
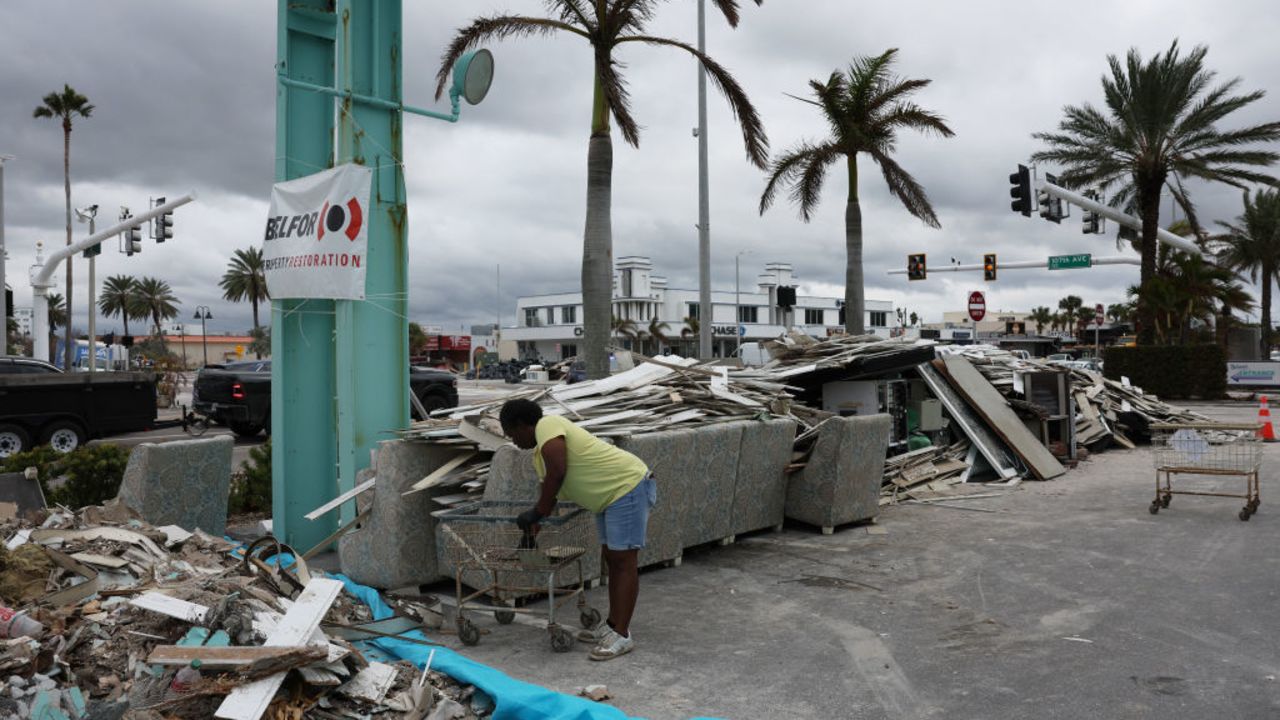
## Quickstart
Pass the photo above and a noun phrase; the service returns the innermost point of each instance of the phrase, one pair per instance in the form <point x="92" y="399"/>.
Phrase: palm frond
<point x="786" y="169"/>
<point x="806" y="192"/>
<point x="753" y="133"/>
<point x="495" y="27"/>
<point x="905" y="187"/>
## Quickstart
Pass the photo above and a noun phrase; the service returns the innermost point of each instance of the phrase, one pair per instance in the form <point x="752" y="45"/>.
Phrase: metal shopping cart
<point x="483" y="537"/>
<point x="1206" y="449"/>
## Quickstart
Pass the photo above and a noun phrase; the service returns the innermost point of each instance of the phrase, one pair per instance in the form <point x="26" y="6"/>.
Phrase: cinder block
<point x="841" y="482"/>
<point x="396" y="546"/>
<point x="760" y="493"/>
<point x="183" y="483"/>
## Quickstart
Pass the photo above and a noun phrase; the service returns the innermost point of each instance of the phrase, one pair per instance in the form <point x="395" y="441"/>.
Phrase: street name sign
<point x="1069" y="262"/>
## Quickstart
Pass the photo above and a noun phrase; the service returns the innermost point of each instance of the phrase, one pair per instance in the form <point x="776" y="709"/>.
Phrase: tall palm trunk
<point x="1268" y="276"/>
<point x="854" y="294"/>
<point x="1150" y="193"/>
<point x="253" y="300"/>
<point x="68" y="352"/>
<point x="126" y="322"/>
<point x="597" y="243"/>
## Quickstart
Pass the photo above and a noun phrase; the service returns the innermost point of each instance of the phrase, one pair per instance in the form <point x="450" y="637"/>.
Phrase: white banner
<point x="317" y="236"/>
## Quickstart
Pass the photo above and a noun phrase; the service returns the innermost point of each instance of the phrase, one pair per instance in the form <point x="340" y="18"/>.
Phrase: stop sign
<point x="1098" y="314"/>
<point x="977" y="306"/>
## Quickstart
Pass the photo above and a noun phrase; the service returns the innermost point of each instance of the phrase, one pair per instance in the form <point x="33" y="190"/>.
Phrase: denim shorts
<point x="622" y="525"/>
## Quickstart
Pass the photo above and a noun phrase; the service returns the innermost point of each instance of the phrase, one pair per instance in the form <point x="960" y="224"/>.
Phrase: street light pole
<point x="4" y="310"/>
<point x="706" y="312"/>
<point x="203" y="314"/>
<point x="88" y="215"/>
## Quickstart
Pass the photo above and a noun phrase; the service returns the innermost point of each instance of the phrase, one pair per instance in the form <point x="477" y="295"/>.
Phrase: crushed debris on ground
<point x="101" y="612"/>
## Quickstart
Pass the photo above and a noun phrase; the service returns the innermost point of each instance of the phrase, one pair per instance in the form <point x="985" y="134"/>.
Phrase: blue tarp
<point x="514" y="700"/>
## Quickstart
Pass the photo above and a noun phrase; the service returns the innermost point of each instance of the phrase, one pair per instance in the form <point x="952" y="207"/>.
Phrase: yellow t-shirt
<point x="596" y="473"/>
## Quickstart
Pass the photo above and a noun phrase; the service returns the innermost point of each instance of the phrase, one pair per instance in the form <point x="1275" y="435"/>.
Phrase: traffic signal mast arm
<point x="1022" y="265"/>
<point x="1164" y="236"/>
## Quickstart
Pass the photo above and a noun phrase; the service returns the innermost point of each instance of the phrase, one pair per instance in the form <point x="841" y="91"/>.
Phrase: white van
<point x="752" y="354"/>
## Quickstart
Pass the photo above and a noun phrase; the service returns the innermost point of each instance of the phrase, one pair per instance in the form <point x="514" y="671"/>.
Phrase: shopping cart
<point x="484" y="537"/>
<point x="1208" y="449"/>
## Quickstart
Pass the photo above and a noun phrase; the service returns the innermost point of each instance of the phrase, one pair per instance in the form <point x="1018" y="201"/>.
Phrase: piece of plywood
<point x="100" y="560"/>
<point x="248" y="702"/>
<point x="370" y="684"/>
<point x="171" y="606"/>
<point x="228" y="658"/>
<point x="992" y="406"/>
<point x="991" y="447"/>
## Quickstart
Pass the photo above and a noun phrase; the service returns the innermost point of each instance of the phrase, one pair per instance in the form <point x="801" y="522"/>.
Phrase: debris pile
<point x="658" y="394"/>
<point x="102" y="615"/>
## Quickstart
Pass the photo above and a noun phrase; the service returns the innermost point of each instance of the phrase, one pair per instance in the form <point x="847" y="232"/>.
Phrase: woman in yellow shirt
<point x="617" y="486"/>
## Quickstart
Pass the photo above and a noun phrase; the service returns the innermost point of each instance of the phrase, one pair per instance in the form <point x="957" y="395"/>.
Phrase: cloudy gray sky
<point x="184" y="96"/>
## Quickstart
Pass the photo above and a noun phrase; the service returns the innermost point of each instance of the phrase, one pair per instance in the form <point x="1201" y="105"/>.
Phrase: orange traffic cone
<point x="1266" y="432"/>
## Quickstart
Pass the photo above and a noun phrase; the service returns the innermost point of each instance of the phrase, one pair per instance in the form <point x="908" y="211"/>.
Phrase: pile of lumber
<point x="935" y="468"/>
<point x="657" y="394"/>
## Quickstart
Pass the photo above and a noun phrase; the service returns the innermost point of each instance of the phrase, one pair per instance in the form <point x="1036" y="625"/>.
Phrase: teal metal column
<point x="340" y="368"/>
<point x="373" y="335"/>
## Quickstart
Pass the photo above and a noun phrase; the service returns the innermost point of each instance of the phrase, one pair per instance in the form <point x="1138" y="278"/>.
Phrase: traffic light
<point x="1050" y="207"/>
<point x="1021" y="191"/>
<point x="916" y="268"/>
<point x="989" y="267"/>
<point x="786" y="297"/>
<point x="1092" y="220"/>
<point x="162" y="226"/>
<point x="133" y="240"/>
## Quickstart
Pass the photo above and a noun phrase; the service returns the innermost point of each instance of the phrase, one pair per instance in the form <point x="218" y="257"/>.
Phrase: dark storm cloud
<point x="185" y="98"/>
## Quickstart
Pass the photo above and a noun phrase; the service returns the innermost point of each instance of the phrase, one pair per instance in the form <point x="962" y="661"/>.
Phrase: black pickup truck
<point x="238" y="395"/>
<point x="40" y="404"/>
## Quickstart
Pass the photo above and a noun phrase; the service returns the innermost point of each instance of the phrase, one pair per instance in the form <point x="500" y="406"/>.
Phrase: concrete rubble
<point x="122" y="606"/>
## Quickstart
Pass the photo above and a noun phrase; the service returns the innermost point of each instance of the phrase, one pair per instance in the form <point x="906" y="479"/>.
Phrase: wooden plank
<point x="992" y="406"/>
<point x="334" y="503"/>
<point x="439" y="473"/>
<point x="248" y="702"/>
<point x="229" y="658"/>
<point x="982" y="438"/>
<point x="171" y="606"/>
<point x="478" y="435"/>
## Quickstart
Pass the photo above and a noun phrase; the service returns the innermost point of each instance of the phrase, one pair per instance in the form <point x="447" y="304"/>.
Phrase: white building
<point x="550" y="326"/>
<point x="23" y="316"/>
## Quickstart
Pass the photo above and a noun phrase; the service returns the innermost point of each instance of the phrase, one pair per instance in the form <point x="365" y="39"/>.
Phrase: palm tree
<point x="64" y="106"/>
<point x="606" y="25"/>
<point x="689" y="333"/>
<point x="624" y="328"/>
<point x="1055" y="321"/>
<point x="866" y="108"/>
<point x="914" y="318"/>
<point x="155" y="300"/>
<point x="245" y="279"/>
<point x="1041" y="316"/>
<point x="261" y="344"/>
<point x="658" y="332"/>
<point x="57" y="318"/>
<point x="1070" y="307"/>
<point x="1159" y="128"/>
<point x="1252" y="244"/>
<point x="1120" y="312"/>
<point x="118" y="298"/>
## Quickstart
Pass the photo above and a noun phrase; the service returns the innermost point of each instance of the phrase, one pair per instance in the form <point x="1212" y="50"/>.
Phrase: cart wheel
<point x="504" y="617"/>
<point x="589" y="618"/>
<point x="561" y="640"/>
<point x="1253" y="505"/>
<point x="1244" y="514"/>
<point x="468" y="632"/>
<point x="1155" y="507"/>
<point x="1164" y="501"/>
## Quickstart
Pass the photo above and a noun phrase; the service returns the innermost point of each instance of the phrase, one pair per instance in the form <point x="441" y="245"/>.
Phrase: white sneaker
<point x="612" y="645"/>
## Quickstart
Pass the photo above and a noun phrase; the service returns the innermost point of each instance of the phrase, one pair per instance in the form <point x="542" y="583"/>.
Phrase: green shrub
<point x="90" y="475"/>
<point x="251" y="485"/>
<point x="1173" y="371"/>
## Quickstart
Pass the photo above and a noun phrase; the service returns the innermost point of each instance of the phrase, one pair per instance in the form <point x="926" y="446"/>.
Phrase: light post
<point x="737" y="300"/>
<point x="87" y="215"/>
<point x="4" y="318"/>
<point x="203" y="314"/>
<point x="704" y="204"/>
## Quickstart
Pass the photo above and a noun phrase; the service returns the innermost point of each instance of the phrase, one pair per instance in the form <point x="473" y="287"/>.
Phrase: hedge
<point x="1171" y="371"/>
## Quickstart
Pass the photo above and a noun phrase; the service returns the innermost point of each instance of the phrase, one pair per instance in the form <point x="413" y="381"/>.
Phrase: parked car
<point x="40" y="404"/>
<point x="238" y="394"/>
